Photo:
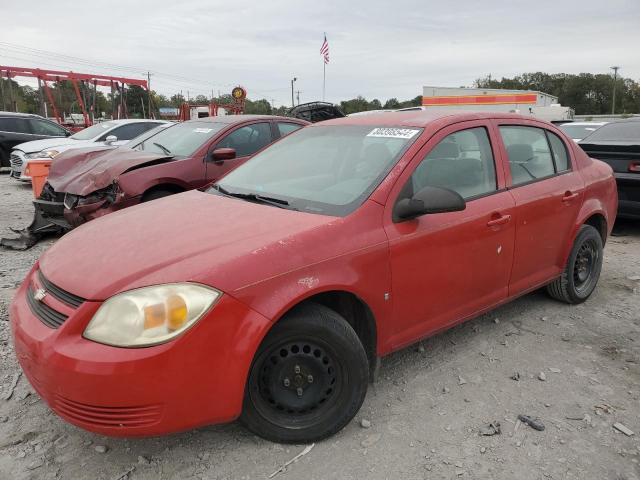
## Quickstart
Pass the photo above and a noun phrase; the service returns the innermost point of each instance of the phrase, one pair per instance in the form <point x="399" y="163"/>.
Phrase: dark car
<point x="87" y="183"/>
<point x="316" y="111"/>
<point x="618" y="144"/>
<point x="16" y="128"/>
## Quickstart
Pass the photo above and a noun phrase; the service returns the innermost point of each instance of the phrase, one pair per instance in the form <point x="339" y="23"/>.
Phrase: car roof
<point x="133" y="120"/>
<point x="230" y="119"/>
<point x="420" y="118"/>
<point x="584" y="124"/>
<point x="18" y="114"/>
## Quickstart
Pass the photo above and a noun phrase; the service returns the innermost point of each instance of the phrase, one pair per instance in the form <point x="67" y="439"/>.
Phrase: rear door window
<point x="287" y="128"/>
<point x="529" y="154"/>
<point x="247" y="140"/>
<point x="129" y="131"/>
<point x="13" y="124"/>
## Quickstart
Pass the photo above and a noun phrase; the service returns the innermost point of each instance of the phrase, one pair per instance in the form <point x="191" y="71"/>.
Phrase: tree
<point x="392" y="103"/>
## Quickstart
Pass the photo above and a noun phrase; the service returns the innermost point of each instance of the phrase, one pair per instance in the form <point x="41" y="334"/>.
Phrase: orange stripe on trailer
<point x="498" y="99"/>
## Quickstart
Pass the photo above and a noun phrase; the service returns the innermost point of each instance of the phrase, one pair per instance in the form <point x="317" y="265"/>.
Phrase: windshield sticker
<point x="393" y="132"/>
<point x="203" y="130"/>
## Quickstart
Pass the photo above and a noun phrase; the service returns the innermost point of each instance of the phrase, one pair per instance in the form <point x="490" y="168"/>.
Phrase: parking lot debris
<point x="483" y="449"/>
<point x="515" y="376"/>
<point x="542" y="377"/>
<point x="555" y="370"/>
<point x="364" y="423"/>
<point x="491" y="429"/>
<point x="544" y="319"/>
<point x="101" y="448"/>
<point x="603" y="408"/>
<point x="12" y="386"/>
<point x="634" y="278"/>
<point x="496" y="320"/>
<point x="461" y="381"/>
<point x="125" y="475"/>
<point x="445" y="389"/>
<point x="143" y="460"/>
<point x="621" y="428"/>
<point x="534" y="423"/>
<point x="420" y="348"/>
<point x="284" y="466"/>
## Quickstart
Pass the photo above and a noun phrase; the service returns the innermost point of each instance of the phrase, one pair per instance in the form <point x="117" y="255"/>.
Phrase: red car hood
<point x="194" y="236"/>
<point x="83" y="171"/>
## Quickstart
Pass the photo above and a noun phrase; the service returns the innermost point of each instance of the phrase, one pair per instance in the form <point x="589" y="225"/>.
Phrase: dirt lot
<point x="425" y="412"/>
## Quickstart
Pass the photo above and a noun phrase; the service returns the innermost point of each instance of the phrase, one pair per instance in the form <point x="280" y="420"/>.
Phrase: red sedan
<point x="272" y="296"/>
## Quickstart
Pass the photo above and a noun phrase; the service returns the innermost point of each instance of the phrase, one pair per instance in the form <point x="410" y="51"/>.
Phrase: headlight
<point x="150" y="315"/>
<point x="42" y="154"/>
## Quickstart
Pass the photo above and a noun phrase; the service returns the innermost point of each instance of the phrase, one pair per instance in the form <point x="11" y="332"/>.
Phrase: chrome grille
<point x="15" y="160"/>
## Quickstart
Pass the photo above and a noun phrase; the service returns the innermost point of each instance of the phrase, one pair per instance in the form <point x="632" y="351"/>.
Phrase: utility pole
<point x="293" y="80"/>
<point x="149" y="94"/>
<point x="298" y="96"/>
<point x="615" y="78"/>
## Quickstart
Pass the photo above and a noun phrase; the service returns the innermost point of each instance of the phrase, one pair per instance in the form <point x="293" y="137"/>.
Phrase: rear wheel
<point x="581" y="274"/>
<point x="308" y="378"/>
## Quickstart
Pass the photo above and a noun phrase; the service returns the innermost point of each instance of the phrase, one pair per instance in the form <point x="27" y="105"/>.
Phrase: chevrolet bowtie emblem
<point x="40" y="294"/>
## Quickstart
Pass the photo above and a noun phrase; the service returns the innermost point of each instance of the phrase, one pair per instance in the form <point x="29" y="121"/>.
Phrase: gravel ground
<point x="420" y="420"/>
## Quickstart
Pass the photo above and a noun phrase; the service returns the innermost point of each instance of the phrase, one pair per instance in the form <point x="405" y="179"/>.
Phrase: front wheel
<point x="308" y="378"/>
<point x="581" y="274"/>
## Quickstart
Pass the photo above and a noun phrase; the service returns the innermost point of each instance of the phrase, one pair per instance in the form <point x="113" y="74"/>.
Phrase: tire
<point x="155" y="194"/>
<point x="4" y="158"/>
<point x="581" y="274"/>
<point x="313" y="349"/>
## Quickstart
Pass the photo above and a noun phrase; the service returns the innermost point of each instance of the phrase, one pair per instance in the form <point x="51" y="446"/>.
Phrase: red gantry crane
<point x="82" y="83"/>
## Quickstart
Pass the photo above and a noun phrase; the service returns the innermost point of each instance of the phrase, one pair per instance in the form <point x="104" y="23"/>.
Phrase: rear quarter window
<point x="560" y="152"/>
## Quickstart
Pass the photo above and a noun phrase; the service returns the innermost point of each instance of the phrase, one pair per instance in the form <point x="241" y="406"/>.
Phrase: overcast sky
<point x="378" y="49"/>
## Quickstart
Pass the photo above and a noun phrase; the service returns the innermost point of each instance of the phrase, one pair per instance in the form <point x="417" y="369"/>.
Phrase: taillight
<point x="634" y="167"/>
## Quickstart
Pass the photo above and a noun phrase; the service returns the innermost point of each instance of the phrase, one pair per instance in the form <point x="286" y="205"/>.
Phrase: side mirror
<point x="110" y="139"/>
<point x="428" y="200"/>
<point x="222" y="154"/>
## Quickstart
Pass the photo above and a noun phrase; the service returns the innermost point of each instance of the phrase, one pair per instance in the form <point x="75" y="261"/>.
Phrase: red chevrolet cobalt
<point x="272" y="296"/>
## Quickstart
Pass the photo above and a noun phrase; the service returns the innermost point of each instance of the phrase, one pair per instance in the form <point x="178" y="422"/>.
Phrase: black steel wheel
<point x="308" y="379"/>
<point x="581" y="274"/>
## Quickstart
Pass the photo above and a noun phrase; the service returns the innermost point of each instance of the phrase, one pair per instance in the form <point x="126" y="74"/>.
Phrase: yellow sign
<point x="239" y="93"/>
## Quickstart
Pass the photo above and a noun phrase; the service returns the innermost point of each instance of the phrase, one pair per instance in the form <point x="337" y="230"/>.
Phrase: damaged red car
<point x="84" y="184"/>
<point x="272" y="296"/>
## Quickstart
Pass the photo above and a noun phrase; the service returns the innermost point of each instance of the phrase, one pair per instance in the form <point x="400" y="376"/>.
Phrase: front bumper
<point x="18" y="162"/>
<point x="628" y="194"/>
<point x="196" y="379"/>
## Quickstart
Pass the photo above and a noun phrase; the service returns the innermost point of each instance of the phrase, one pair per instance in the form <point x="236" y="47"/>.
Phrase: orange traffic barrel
<point x="38" y="170"/>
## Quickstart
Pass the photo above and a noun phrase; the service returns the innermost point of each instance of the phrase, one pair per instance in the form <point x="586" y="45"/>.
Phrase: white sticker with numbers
<point x="386" y="132"/>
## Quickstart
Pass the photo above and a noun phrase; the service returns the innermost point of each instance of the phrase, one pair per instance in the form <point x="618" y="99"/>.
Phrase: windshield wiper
<point x="165" y="149"/>
<point x="255" y="197"/>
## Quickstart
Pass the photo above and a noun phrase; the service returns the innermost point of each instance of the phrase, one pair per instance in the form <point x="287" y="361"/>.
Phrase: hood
<point x="223" y="242"/>
<point x="47" y="143"/>
<point x="83" y="171"/>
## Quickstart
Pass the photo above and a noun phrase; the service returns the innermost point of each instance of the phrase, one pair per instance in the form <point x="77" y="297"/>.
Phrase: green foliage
<point x="587" y="93"/>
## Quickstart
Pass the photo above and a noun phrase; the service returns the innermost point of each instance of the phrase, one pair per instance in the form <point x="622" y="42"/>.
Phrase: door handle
<point x="502" y="220"/>
<point x="568" y="196"/>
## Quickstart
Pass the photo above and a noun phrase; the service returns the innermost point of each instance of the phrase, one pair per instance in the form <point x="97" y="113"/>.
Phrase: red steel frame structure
<point x="76" y="79"/>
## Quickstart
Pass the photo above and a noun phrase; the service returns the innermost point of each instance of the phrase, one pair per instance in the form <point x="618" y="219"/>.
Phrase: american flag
<point x="324" y="50"/>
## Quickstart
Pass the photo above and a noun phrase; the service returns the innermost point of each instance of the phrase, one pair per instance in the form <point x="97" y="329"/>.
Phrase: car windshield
<point x="93" y="131"/>
<point x="617" y="132"/>
<point x="181" y="140"/>
<point x="578" y="131"/>
<point x="327" y="170"/>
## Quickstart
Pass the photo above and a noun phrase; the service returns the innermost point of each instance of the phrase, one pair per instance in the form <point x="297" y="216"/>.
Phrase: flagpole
<point x="324" y="77"/>
<point x="324" y="71"/>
